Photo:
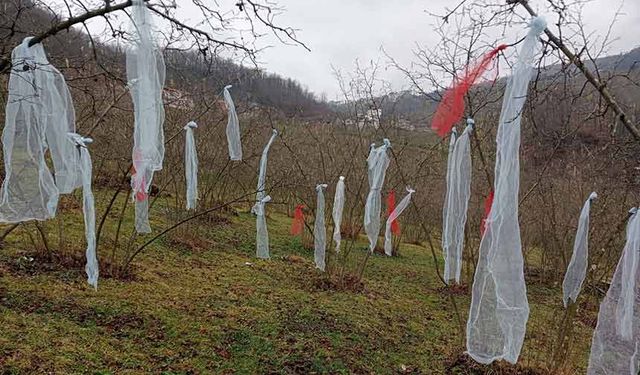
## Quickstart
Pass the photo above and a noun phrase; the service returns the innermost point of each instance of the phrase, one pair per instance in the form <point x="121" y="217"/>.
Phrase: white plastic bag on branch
<point x="258" y="209"/>
<point x="458" y="193"/>
<point x="499" y="308"/>
<point x="262" y="235"/>
<point x="28" y="190"/>
<point x="404" y="203"/>
<point x="320" y="230"/>
<point x="615" y="347"/>
<point x="377" y="163"/>
<point x="577" y="269"/>
<point x="88" y="206"/>
<point x="338" y="207"/>
<point x="145" y="75"/>
<point x="191" y="165"/>
<point x="233" y="127"/>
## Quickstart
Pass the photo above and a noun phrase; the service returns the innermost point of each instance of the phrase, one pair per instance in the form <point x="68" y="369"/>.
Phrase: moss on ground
<point x="199" y="302"/>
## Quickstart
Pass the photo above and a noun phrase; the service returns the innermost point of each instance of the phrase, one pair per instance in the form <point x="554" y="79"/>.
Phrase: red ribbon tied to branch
<point x="451" y="108"/>
<point x="391" y="205"/>
<point x="298" y="221"/>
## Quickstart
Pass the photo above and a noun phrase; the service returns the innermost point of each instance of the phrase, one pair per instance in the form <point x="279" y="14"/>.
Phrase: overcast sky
<point x="341" y="31"/>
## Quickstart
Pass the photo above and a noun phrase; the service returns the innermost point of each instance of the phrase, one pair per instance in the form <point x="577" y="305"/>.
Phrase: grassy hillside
<point x="199" y="302"/>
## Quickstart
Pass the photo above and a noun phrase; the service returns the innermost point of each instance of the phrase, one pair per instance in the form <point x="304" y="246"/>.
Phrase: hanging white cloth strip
<point x="457" y="201"/>
<point x="377" y="163"/>
<point x="577" y="269"/>
<point x="499" y="308"/>
<point x="262" y="235"/>
<point x="59" y="118"/>
<point x="262" y="239"/>
<point x="338" y="207"/>
<point x="615" y="346"/>
<point x="191" y="165"/>
<point x="404" y="203"/>
<point x="262" y="173"/>
<point x="446" y="217"/>
<point x="28" y="189"/>
<point x="145" y="75"/>
<point x="320" y="230"/>
<point x="233" y="127"/>
<point x="88" y="206"/>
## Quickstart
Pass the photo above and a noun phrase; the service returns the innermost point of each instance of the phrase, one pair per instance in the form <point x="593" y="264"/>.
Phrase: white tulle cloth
<point x="258" y="209"/>
<point x="262" y="234"/>
<point x="38" y="116"/>
<point x="233" y="127"/>
<point x="88" y="206"/>
<point x="191" y="165"/>
<point x="499" y="308"/>
<point x="338" y="207"/>
<point x="145" y="76"/>
<point x="615" y="347"/>
<point x="377" y="164"/>
<point x="577" y="269"/>
<point x="320" y="230"/>
<point x="456" y="202"/>
<point x="404" y="203"/>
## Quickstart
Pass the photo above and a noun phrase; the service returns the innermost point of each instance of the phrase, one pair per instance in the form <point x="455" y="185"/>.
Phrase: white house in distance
<point x="371" y="117"/>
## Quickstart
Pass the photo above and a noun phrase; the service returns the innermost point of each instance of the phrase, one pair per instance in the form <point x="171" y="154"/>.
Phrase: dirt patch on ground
<point x="463" y="364"/>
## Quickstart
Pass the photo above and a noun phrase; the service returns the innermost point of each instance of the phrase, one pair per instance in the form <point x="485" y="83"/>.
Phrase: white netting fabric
<point x="88" y="206"/>
<point x="377" y="164"/>
<point x="320" y="230"/>
<point x="615" y="346"/>
<point x="456" y="203"/>
<point x="59" y="118"/>
<point x="36" y="93"/>
<point x="262" y="235"/>
<point x="145" y="75"/>
<point x="577" y="269"/>
<point x="445" y="207"/>
<point x="338" y="207"/>
<point x="404" y="203"/>
<point x="262" y="173"/>
<point x="233" y="127"/>
<point x="499" y="308"/>
<point x="191" y="165"/>
<point x="258" y="209"/>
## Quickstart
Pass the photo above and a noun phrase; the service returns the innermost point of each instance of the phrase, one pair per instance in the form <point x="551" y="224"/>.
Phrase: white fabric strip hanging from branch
<point x="262" y="235"/>
<point x="338" y="207"/>
<point x="59" y="119"/>
<point x="615" y="347"/>
<point x="499" y="308"/>
<point x="191" y="165"/>
<point x="457" y="201"/>
<point x="88" y="206"/>
<point x="404" y="203"/>
<point x="145" y="76"/>
<point x="258" y="209"/>
<point x="233" y="127"/>
<point x="446" y="217"/>
<point x="577" y="269"/>
<point x="377" y="163"/>
<point x="28" y="189"/>
<point x="320" y="230"/>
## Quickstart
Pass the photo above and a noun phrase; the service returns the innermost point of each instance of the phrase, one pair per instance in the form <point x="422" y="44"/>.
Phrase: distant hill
<point x="73" y="50"/>
<point x="418" y="108"/>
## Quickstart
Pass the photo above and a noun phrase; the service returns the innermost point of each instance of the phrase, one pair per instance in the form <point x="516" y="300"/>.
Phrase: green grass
<point x="199" y="302"/>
